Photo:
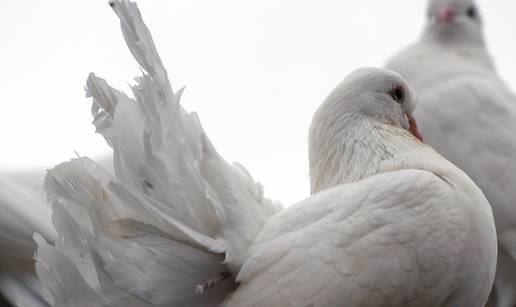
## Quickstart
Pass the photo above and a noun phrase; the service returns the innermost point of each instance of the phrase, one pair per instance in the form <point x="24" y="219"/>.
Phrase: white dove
<point x="469" y="115"/>
<point x="390" y="222"/>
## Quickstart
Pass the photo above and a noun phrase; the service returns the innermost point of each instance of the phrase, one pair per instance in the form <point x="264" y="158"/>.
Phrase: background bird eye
<point x="398" y="94"/>
<point x="472" y="12"/>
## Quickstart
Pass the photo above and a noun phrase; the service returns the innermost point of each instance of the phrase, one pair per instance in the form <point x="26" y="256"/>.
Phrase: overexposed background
<point x="255" y="71"/>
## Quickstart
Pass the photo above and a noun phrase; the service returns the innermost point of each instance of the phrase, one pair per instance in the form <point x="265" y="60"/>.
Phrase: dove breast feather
<point x="394" y="239"/>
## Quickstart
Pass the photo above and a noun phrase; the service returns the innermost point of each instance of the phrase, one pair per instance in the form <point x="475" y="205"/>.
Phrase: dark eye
<point x="472" y="12"/>
<point x="398" y="94"/>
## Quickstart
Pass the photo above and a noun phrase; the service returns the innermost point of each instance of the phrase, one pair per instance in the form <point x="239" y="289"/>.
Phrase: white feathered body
<point x="418" y="233"/>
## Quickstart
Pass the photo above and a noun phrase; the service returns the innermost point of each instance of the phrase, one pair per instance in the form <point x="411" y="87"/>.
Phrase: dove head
<point x="454" y="22"/>
<point x="371" y="108"/>
<point x="372" y="93"/>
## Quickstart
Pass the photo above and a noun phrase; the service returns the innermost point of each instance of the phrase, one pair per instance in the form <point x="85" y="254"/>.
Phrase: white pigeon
<point x="468" y="114"/>
<point x="390" y="222"/>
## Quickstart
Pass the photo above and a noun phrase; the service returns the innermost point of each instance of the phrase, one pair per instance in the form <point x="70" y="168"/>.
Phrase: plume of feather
<point x="174" y="217"/>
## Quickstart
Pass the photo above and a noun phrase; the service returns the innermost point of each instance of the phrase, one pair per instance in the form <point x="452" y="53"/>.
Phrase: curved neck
<point x="470" y="45"/>
<point x="348" y="148"/>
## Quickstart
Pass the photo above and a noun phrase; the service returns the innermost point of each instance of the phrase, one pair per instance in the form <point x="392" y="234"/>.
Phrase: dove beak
<point x="446" y="15"/>
<point x="413" y="127"/>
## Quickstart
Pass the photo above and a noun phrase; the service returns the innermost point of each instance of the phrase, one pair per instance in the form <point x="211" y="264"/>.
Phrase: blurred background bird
<point x="468" y="113"/>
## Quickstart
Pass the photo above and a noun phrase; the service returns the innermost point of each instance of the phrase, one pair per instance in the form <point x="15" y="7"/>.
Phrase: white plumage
<point x="362" y="245"/>
<point x="174" y="213"/>
<point x="468" y="114"/>
<point x="390" y="223"/>
<point x="397" y="227"/>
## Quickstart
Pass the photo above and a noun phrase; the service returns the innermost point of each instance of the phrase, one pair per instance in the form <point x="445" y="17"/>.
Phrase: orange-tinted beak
<point x="413" y="127"/>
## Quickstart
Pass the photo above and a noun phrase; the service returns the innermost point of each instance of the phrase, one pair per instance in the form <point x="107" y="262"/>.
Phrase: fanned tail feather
<point x="176" y="214"/>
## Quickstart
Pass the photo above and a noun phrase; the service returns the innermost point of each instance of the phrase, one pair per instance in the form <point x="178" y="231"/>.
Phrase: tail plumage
<point x="176" y="215"/>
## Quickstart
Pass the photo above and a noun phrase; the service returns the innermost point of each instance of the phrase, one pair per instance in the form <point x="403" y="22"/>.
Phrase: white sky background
<point x="255" y="71"/>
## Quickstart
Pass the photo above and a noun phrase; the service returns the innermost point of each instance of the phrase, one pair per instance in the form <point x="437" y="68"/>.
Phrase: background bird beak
<point x="446" y="15"/>
<point x="413" y="127"/>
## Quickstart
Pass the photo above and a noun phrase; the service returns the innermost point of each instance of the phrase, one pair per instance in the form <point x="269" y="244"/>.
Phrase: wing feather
<point x="175" y="215"/>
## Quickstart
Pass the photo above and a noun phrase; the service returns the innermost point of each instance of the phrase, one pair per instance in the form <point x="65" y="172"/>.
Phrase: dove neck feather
<point x="350" y="147"/>
<point x="458" y="36"/>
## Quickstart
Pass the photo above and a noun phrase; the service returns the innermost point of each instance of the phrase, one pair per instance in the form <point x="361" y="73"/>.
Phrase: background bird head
<point x="454" y="22"/>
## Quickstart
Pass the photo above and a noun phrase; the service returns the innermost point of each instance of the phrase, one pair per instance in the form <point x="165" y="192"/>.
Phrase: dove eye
<point x="398" y="94"/>
<point x="472" y="12"/>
